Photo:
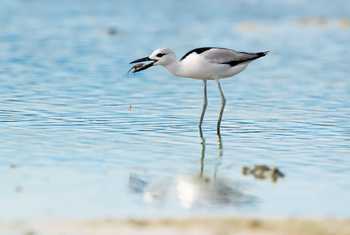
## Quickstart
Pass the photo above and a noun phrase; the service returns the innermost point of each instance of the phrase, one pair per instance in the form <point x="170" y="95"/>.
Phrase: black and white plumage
<point x="204" y="63"/>
<point x="224" y="55"/>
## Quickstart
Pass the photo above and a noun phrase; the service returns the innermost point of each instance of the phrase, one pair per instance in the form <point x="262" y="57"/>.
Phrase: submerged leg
<point x="202" y="158"/>
<point x="223" y="103"/>
<point x="205" y="104"/>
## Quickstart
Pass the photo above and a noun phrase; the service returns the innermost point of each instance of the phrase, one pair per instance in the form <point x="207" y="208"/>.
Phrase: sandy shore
<point x="200" y="226"/>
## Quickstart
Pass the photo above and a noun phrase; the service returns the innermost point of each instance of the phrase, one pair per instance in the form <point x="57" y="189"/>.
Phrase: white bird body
<point x="197" y="67"/>
<point x="204" y="63"/>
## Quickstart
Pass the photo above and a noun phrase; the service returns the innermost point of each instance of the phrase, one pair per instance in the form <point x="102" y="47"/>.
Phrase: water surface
<point x="80" y="139"/>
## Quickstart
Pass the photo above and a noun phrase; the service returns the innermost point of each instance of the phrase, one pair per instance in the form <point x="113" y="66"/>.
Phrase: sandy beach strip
<point x="193" y="226"/>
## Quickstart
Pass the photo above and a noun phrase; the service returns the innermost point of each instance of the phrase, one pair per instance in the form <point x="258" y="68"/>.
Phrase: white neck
<point x="174" y="67"/>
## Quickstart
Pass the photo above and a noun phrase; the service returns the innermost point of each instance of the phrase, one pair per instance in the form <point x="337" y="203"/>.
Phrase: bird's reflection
<point x="203" y="145"/>
<point x="196" y="190"/>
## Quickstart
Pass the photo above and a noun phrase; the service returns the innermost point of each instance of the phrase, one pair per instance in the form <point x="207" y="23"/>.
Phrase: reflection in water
<point x="220" y="147"/>
<point x="203" y="145"/>
<point x="189" y="191"/>
<point x="263" y="172"/>
<point x="137" y="184"/>
<point x="202" y="157"/>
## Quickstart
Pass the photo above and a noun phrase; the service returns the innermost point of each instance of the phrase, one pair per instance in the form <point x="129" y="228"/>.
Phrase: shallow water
<point x="81" y="139"/>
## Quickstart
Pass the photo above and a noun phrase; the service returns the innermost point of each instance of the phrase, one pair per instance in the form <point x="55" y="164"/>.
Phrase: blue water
<point x="80" y="139"/>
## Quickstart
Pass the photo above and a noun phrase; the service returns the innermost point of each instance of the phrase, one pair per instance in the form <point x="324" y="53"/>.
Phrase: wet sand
<point x="200" y="226"/>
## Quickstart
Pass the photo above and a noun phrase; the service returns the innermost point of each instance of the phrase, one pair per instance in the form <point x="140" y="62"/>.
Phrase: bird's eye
<point x="160" y="54"/>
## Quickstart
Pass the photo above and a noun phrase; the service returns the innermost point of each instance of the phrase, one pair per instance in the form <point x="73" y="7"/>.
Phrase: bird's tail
<point x="261" y="54"/>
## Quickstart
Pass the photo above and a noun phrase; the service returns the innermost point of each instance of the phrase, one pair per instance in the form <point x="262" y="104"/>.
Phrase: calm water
<point x="81" y="139"/>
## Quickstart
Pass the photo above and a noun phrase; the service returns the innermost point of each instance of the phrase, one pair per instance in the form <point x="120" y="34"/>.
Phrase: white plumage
<point x="205" y="63"/>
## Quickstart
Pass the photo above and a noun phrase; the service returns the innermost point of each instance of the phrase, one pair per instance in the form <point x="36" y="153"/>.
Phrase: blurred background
<point x="80" y="138"/>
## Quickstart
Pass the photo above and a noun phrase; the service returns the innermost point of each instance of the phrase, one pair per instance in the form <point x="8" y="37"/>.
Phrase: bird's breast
<point x="197" y="68"/>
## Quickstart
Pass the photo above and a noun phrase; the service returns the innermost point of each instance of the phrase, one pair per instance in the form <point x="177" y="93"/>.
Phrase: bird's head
<point x="162" y="56"/>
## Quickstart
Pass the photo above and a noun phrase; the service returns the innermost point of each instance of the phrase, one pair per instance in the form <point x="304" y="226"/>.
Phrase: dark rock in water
<point x="263" y="172"/>
<point x="276" y="174"/>
<point x="245" y="170"/>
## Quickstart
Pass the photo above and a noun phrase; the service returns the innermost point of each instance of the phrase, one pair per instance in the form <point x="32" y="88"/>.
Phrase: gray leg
<point x="202" y="159"/>
<point x="223" y="102"/>
<point x="205" y="104"/>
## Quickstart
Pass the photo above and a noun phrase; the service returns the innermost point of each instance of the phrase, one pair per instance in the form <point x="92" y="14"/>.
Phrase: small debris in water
<point x="313" y="21"/>
<point x="130" y="108"/>
<point x="112" y="31"/>
<point x="263" y="172"/>
<point x="29" y="233"/>
<point x="19" y="189"/>
<point x="13" y="166"/>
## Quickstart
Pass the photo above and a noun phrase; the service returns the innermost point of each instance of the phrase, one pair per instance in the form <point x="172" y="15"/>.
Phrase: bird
<point x="204" y="63"/>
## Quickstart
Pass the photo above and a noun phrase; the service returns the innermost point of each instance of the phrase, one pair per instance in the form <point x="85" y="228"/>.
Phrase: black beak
<point x="141" y="66"/>
<point x="144" y="59"/>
